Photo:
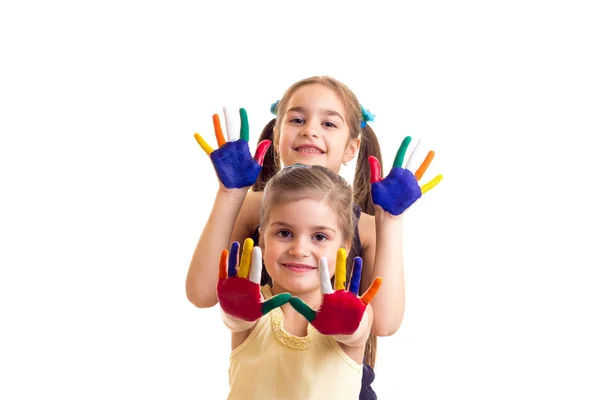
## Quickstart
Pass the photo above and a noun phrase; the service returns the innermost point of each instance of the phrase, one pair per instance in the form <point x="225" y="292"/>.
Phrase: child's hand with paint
<point x="400" y="189"/>
<point x="341" y="311"/>
<point x="235" y="166"/>
<point x="238" y="294"/>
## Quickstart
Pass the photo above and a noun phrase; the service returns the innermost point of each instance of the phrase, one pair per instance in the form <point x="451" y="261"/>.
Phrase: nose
<point x="311" y="128"/>
<point x="299" y="248"/>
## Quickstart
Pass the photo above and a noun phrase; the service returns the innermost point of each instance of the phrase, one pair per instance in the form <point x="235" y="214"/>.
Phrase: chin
<point x="320" y="161"/>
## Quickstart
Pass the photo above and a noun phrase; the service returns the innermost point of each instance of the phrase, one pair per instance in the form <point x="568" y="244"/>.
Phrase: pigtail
<point x="271" y="164"/>
<point x="369" y="146"/>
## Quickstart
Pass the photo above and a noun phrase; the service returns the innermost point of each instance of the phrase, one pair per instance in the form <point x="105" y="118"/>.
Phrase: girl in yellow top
<point x="297" y="339"/>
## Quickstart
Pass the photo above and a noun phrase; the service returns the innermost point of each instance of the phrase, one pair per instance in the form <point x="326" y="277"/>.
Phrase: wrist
<point x="382" y="215"/>
<point x="359" y="336"/>
<point x="232" y="195"/>
<point x="236" y="324"/>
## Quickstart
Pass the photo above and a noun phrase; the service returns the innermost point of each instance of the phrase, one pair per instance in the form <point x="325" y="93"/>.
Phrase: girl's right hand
<point x="238" y="290"/>
<point x="235" y="166"/>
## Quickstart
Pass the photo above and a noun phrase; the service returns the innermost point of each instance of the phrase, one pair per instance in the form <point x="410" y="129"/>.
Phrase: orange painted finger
<point x="425" y="165"/>
<point x="372" y="291"/>
<point x="218" y="131"/>
<point x="223" y="264"/>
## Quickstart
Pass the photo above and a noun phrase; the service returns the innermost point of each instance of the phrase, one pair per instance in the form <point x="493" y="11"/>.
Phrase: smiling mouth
<point x="299" y="267"/>
<point x="308" y="150"/>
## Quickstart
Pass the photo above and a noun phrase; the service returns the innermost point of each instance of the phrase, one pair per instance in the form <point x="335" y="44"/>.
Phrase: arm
<point x="392" y="196"/>
<point x="217" y="234"/>
<point x="237" y="171"/>
<point x="385" y="259"/>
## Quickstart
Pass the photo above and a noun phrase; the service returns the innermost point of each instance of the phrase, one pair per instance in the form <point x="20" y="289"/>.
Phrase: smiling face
<point x="295" y="236"/>
<point x="314" y="129"/>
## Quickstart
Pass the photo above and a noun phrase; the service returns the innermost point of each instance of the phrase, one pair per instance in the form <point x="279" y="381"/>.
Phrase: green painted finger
<point x="303" y="309"/>
<point x="245" y="129"/>
<point x="274" y="302"/>
<point x="399" y="160"/>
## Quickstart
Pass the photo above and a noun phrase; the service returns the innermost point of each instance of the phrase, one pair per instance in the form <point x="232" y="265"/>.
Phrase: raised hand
<point x="238" y="295"/>
<point x="400" y="189"/>
<point x="341" y="311"/>
<point x="235" y="166"/>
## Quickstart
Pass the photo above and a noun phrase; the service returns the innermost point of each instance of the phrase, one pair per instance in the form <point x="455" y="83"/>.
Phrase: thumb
<point x="375" y="169"/>
<point x="303" y="308"/>
<point x="261" y="150"/>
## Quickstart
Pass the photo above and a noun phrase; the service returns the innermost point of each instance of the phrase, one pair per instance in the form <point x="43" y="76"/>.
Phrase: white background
<point x="104" y="191"/>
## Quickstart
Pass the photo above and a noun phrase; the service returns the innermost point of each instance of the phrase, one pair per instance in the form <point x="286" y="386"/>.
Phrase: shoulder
<point x="252" y="202"/>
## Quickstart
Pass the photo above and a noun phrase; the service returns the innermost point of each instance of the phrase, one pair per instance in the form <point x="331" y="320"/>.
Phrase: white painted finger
<point x="232" y="132"/>
<point x="324" y="276"/>
<point x="256" y="268"/>
<point x="414" y="160"/>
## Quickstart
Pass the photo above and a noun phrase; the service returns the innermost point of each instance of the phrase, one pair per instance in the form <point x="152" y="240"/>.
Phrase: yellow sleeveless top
<point x="272" y="364"/>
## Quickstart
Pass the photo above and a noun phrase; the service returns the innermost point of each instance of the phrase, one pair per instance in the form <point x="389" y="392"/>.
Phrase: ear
<point x="347" y="244"/>
<point x="351" y="149"/>
<point x="275" y="143"/>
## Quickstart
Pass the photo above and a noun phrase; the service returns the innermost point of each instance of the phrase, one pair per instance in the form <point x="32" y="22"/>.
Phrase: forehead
<point x="316" y="95"/>
<point x="305" y="211"/>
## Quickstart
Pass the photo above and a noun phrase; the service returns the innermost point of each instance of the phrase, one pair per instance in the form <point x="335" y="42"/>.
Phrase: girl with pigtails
<point x="319" y="121"/>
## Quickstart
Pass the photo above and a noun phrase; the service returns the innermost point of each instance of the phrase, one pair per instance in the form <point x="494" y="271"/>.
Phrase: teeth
<point x="311" y="150"/>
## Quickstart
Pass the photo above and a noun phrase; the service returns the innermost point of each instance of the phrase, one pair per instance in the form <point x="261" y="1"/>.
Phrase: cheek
<point x="282" y="141"/>
<point x="270" y="257"/>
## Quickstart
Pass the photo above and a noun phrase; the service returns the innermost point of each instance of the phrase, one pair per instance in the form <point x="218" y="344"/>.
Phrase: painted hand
<point x="341" y="311"/>
<point x="400" y="189"/>
<point x="235" y="166"/>
<point x="238" y="295"/>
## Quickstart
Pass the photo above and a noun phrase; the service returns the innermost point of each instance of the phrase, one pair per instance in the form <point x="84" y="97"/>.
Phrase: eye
<point x="296" y="120"/>
<point x="330" y="124"/>
<point x="284" y="234"/>
<point x="319" y="237"/>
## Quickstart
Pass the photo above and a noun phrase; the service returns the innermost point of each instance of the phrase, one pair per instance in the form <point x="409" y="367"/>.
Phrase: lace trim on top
<point x="286" y="338"/>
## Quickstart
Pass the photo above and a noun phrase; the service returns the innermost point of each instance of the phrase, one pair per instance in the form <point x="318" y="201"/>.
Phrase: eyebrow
<point x="314" y="228"/>
<point x="325" y="111"/>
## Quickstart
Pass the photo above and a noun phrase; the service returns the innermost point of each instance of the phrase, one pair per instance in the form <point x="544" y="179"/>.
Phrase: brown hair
<point x="300" y="181"/>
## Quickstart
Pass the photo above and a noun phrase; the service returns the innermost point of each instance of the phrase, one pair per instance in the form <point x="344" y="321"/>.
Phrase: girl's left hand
<point x="400" y="189"/>
<point x="340" y="312"/>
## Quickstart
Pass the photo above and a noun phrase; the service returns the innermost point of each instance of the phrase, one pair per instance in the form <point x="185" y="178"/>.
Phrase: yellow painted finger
<point x="425" y="165"/>
<point x="340" y="269"/>
<point x="207" y="149"/>
<point x="371" y="292"/>
<point x="223" y="264"/>
<point x="430" y="185"/>
<point x="218" y="131"/>
<point x="246" y="258"/>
